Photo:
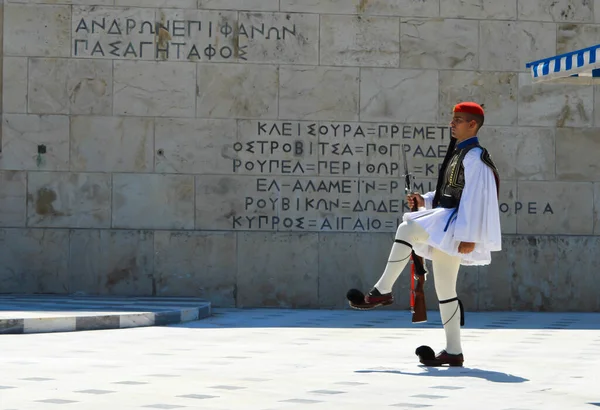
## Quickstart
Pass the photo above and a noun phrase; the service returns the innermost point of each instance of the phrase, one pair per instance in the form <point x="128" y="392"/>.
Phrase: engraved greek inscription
<point x="267" y="222"/>
<point x="147" y="25"/>
<point x="212" y="36"/>
<point x="82" y="26"/>
<point x="98" y="49"/>
<point x="76" y="49"/>
<point x="272" y="166"/>
<point x="532" y="208"/>
<point x="321" y="176"/>
<point x="334" y="167"/>
<point x="129" y="25"/>
<point x="114" y="28"/>
<point x="263" y="31"/>
<point x="260" y="203"/>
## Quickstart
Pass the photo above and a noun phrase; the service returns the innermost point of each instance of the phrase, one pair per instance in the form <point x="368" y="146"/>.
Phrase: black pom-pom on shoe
<point x="355" y="296"/>
<point x="360" y="301"/>
<point x="425" y="353"/>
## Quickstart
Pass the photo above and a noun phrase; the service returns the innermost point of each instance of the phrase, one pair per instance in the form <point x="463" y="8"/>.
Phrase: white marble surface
<point x="522" y="153"/>
<point x="574" y="217"/>
<point x="404" y="8"/>
<point x="509" y="45"/>
<point x="398" y="95"/>
<point x="554" y="105"/>
<point x="21" y="136"/>
<point x="576" y="36"/>
<point x="34" y="260"/>
<point x="498" y="91"/>
<point x="318" y="93"/>
<point x="439" y="44"/>
<point x="596" y="205"/>
<point x="13" y="190"/>
<point x="573" y="144"/>
<point x="597" y="106"/>
<point x="111" y="262"/>
<point x="281" y="359"/>
<point x="237" y="90"/>
<point x="188" y="263"/>
<point x="194" y="146"/>
<point x="254" y="5"/>
<point x="154" y="89"/>
<point x="319" y="6"/>
<point x="479" y="9"/>
<point x="556" y="10"/>
<point x="111" y="144"/>
<point x="63" y="86"/>
<point x="14" y="85"/>
<point x="165" y="200"/>
<point x="347" y="40"/>
<point x="38" y="30"/>
<point x="190" y="4"/>
<point x="69" y="199"/>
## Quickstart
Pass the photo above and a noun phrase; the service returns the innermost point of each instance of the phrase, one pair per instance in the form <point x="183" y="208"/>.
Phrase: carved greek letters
<point x="171" y="36"/>
<point x="338" y="177"/>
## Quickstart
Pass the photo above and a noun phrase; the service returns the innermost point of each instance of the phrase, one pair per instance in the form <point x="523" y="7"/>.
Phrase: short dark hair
<point x="479" y="119"/>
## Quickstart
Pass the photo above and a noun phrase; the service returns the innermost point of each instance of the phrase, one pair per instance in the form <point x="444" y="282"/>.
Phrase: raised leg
<point x="407" y="234"/>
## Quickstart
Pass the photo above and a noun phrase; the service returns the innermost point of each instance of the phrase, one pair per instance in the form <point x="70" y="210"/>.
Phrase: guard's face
<point x="459" y="124"/>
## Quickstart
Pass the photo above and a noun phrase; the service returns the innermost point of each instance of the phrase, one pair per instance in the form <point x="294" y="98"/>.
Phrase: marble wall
<point x="250" y="151"/>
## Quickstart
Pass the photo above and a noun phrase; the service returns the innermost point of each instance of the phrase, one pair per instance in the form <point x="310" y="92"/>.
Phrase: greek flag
<point x="581" y="64"/>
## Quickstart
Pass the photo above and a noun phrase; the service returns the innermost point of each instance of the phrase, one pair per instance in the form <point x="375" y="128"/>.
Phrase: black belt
<point x="448" y="201"/>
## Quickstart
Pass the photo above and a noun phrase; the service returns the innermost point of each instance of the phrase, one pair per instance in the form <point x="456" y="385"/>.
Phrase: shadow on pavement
<point x="490" y="375"/>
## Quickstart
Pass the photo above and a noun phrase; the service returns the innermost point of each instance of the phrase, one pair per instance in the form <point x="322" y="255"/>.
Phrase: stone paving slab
<point x="43" y="313"/>
<point x="267" y="359"/>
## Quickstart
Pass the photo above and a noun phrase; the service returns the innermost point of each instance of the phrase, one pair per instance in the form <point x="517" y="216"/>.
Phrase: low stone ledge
<point x="53" y="313"/>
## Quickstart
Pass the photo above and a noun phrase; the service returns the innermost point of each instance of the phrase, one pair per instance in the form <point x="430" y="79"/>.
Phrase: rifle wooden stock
<point x="418" y="306"/>
<point x="419" y="312"/>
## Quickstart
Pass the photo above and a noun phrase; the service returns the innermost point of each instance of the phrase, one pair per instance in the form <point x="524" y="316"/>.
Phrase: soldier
<point x="457" y="224"/>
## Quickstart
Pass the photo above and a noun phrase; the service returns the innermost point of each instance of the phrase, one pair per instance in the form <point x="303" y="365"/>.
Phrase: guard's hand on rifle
<point x="412" y="197"/>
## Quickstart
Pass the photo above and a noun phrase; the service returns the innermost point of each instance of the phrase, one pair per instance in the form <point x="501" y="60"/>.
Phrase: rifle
<point x="417" y="268"/>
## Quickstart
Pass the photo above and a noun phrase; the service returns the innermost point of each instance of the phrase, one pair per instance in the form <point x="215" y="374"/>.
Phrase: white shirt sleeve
<point x="428" y="197"/>
<point x="478" y="216"/>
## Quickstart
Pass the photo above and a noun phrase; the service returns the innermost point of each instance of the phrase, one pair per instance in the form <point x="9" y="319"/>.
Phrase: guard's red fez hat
<point x="469" y="107"/>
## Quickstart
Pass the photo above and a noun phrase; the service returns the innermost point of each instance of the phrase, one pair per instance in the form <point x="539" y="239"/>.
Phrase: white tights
<point x="410" y="232"/>
<point x="445" y="268"/>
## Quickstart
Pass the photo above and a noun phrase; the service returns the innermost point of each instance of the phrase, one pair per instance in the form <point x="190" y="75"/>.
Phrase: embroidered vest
<point x="453" y="182"/>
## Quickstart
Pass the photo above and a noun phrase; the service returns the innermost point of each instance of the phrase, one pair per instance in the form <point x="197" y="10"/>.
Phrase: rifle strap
<point x="460" y="306"/>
